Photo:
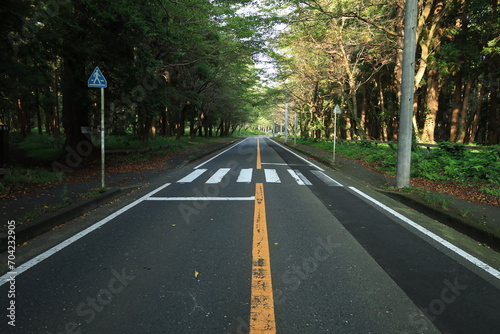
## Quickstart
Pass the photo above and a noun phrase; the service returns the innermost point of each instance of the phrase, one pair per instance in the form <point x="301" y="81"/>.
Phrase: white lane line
<point x="275" y="163"/>
<point x="296" y="177"/>
<point x="271" y="176"/>
<point x="31" y="263"/>
<point x="217" y="177"/>
<point x="281" y="164"/>
<point x="192" y="176"/>
<point x="212" y="158"/>
<point x="245" y="175"/>
<point x="303" y="178"/>
<point x="471" y="258"/>
<point x="298" y="156"/>
<point x="325" y="178"/>
<point x="250" y="198"/>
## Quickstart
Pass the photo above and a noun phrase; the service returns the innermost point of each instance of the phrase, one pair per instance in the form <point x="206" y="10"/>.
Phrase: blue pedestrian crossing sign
<point x="97" y="79"/>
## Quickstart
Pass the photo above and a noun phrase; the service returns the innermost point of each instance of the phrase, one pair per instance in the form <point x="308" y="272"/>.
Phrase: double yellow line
<point x="262" y="318"/>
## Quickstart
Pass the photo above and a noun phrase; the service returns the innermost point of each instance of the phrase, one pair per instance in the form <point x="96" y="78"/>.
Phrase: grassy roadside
<point x="39" y="151"/>
<point x="446" y="163"/>
<point x="22" y="182"/>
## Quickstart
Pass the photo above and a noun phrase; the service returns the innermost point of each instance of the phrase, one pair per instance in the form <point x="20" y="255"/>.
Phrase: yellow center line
<point x="261" y="303"/>
<point x="258" y="154"/>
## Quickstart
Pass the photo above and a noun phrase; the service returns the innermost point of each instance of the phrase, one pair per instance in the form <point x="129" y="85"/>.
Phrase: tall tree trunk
<point x="364" y="111"/>
<point x="54" y="120"/>
<point x="472" y="130"/>
<point x="465" y="107"/>
<point x="457" y="105"/>
<point x="432" y="103"/>
<point x="493" y="118"/>
<point x="23" y="118"/>
<point x="75" y="101"/>
<point x="38" y="113"/>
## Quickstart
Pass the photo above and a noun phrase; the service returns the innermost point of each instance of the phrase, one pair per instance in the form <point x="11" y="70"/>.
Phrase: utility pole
<point x="407" y="92"/>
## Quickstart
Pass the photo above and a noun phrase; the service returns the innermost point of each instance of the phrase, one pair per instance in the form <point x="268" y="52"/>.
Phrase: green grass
<point x="444" y="163"/>
<point x="43" y="148"/>
<point x="19" y="176"/>
<point x="130" y="142"/>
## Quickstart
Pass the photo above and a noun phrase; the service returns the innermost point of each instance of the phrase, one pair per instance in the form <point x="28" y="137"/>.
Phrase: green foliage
<point x="22" y="176"/>
<point x="448" y="162"/>
<point x="491" y="190"/>
<point x="43" y="148"/>
<point x="132" y="142"/>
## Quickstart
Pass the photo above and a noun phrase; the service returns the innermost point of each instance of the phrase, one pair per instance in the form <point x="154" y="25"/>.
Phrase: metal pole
<point x="334" y="134"/>
<point x="407" y="91"/>
<point x="286" y="118"/>
<point x="102" y="138"/>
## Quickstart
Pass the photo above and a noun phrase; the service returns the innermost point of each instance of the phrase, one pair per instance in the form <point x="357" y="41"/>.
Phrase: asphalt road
<point x="253" y="240"/>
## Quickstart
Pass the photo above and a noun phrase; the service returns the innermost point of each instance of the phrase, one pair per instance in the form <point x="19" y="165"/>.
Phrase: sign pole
<point x="102" y="138"/>
<point x="97" y="80"/>
<point x="334" y="134"/>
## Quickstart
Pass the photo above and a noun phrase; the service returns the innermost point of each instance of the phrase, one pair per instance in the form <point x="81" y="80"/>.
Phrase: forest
<point x="188" y="67"/>
<point x="349" y="52"/>
<point x="172" y="67"/>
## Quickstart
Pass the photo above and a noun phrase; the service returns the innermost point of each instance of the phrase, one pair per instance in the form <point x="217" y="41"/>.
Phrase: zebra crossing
<point x="271" y="175"/>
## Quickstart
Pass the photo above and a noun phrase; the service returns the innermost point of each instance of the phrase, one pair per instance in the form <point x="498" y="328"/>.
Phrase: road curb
<point x="32" y="229"/>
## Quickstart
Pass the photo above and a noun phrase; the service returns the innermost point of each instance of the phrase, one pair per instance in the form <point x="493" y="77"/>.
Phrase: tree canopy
<point x="350" y="52"/>
<point x="173" y="65"/>
<point x="169" y="64"/>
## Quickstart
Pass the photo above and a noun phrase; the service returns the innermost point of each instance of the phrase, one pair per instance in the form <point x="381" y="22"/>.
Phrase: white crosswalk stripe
<point x="217" y="177"/>
<point x="192" y="176"/>
<point x="245" y="175"/>
<point x="271" y="175"/>
<point x="299" y="177"/>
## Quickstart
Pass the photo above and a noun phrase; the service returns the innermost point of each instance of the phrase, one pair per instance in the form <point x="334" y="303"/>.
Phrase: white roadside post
<point x="335" y="112"/>
<point x="286" y="118"/>
<point x="97" y="80"/>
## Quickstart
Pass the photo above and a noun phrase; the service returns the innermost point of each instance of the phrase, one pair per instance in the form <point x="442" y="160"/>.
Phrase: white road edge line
<point x="325" y="178"/>
<point x="308" y="162"/>
<point x="474" y="260"/>
<point x="212" y="158"/>
<point x="31" y="263"/>
<point x="251" y="198"/>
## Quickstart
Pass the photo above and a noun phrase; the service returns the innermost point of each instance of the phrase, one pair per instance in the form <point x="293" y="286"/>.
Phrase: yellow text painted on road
<point x="259" y="166"/>
<point x="262" y="318"/>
